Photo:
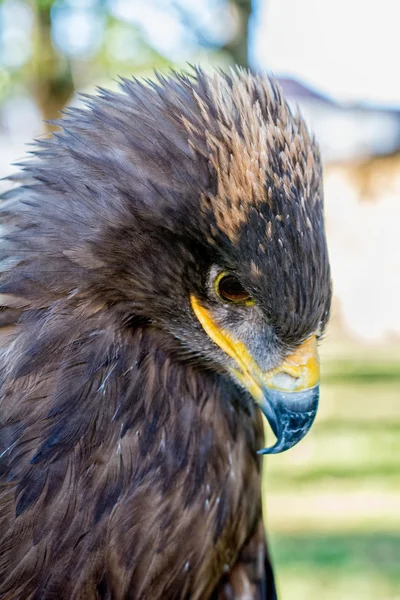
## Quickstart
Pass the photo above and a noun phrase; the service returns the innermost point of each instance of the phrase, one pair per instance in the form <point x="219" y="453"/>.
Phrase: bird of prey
<point x="164" y="276"/>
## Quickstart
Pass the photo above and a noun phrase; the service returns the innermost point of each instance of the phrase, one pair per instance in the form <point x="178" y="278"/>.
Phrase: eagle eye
<point x="229" y="289"/>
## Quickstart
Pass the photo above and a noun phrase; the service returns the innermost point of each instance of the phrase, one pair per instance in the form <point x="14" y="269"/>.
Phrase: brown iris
<point x="229" y="289"/>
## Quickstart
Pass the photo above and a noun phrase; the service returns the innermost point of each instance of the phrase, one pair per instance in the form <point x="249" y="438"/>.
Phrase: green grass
<point x="333" y="502"/>
<point x="338" y="566"/>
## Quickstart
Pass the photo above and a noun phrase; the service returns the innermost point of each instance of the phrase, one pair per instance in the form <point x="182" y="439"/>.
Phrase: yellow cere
<point x="299" y="371"/>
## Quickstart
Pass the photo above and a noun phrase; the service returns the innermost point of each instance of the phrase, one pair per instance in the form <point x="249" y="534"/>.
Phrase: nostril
<point x="284" y="381"/>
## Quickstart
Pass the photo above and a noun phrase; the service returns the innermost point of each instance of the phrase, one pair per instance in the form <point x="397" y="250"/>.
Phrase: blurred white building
<point x="362" y="199"/>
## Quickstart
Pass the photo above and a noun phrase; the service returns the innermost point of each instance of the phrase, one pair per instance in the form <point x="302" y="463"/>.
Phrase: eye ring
<point x="229" y="289"/>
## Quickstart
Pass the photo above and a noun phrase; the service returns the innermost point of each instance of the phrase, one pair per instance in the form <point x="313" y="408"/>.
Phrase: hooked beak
<point x="287" y="395"/>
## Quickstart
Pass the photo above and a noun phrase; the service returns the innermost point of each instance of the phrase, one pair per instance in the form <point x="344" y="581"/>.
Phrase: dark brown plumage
<point x="129" y="464"/>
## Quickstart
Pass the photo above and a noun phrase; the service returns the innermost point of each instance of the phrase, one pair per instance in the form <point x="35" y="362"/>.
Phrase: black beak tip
<point x="290" y="415"/>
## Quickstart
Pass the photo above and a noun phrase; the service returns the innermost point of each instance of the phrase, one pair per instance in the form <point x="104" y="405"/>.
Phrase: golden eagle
<point x="164" y="273"/>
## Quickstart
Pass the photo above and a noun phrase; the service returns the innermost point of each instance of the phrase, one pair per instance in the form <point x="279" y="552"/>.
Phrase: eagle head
<point x="194" y="205"/>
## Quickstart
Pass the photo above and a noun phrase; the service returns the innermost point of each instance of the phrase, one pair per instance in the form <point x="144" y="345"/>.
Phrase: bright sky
<point x="348" y="48"/>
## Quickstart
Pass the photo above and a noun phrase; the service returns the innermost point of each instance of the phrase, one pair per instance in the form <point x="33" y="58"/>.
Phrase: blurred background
<point x="333" y="502"/>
